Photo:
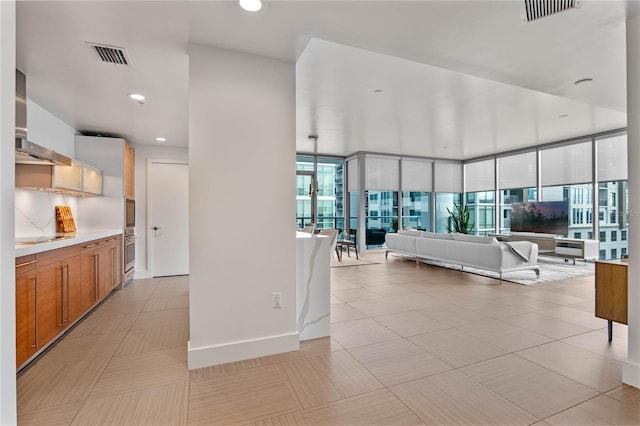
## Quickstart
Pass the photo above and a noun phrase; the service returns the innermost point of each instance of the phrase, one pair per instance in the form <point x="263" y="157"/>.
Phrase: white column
<point x="7" y="215"/>
<point x="631" y="368"/>
<point x="242" y="246"/>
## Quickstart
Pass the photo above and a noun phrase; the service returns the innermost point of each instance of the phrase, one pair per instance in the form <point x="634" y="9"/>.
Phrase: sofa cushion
<point x="410" y="232"/>
<point x="475" y="238"/>
<point x="437" y="236"/>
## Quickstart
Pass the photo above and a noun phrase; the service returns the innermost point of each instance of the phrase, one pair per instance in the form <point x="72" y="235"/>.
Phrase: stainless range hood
<point x="28" y="152"/>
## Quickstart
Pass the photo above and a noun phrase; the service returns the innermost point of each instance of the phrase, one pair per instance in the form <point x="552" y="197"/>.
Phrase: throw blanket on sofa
<point x="520" y="248"/>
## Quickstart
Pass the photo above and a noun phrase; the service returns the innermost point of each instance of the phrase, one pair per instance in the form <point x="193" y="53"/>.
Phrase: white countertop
<point x="79" y="238"/>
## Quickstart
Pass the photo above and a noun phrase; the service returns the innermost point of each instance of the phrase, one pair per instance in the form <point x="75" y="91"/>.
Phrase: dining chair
<point x="348" y="241"/>
<point x="309" y="228"/>
<point x="333" y="235"/>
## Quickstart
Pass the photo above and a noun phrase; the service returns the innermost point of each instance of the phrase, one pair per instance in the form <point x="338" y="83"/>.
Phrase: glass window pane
<point x="482" y="209"/>
<point x="580" y="214"/>
<point x="512" y="196"/>
<point x="444" y="200"/>
<point x="415" y="210"/>
<point x="330" y="193"/>
<point x="613" y="216"/>
<point x="304" y="162"/>
<point x="381" y="214"/>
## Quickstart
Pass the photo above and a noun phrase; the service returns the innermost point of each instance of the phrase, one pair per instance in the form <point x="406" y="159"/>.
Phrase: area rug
<point x="350" y="261"/>
<point x="551" y="269"/>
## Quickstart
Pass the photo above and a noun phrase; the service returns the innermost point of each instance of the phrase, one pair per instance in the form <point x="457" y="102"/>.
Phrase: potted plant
<point x="460" y="219"/>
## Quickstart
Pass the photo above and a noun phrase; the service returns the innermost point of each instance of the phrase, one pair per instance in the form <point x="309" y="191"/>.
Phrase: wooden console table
<point x="611" y="292"/>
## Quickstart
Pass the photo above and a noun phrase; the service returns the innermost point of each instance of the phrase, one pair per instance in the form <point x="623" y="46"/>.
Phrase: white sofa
<point x="465" y="250"/>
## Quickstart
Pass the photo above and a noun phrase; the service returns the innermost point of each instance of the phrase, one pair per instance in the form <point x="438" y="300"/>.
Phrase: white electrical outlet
<point x="277" y="300"/>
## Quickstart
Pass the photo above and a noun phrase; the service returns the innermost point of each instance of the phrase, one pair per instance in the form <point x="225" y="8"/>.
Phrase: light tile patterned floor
<point x="411" y="344"/>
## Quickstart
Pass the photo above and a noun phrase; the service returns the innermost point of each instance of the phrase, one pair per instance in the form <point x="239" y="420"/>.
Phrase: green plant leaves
<point x="460" y="219"/>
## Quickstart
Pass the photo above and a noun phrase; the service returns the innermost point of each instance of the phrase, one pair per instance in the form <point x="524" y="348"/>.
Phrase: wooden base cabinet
<point x="101" y="267"/>
<point x="55" y="288"/>
<point x="611" y="292"/>
<point x="26" y="308"/>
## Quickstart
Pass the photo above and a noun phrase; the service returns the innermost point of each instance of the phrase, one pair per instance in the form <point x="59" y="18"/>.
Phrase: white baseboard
<point x="141" y="274"/>
<point x="631" y="373"/>
<point x="237" y="351"/>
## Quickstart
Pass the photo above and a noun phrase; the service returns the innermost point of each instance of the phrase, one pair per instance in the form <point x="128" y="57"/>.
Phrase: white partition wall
<point x="631" y="368"/>
<point x="242" y="158"/>
<point x="8" y="414"/>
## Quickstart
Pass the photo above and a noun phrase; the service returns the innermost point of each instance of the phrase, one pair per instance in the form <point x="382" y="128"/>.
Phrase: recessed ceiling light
<point x="251" y="5"/>
<point x="137" y="97"/>
<point x="378" y="91"/>
<point x="161" y="139"/>
<point x="582" y="81"/>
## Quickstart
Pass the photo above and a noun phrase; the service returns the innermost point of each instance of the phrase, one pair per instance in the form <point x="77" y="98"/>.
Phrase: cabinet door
<point x="118" y="261"/>
<point x="72" y="274"/>
<point x="105" y="265"/>
<point x="49" y="302"/>
<point x="26" y="342"/>
<point x="129" y="172"/>
<point x="88" y="277"/>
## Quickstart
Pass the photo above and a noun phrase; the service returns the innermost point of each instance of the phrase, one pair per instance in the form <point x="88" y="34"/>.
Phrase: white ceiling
<point x="460" y="78"/>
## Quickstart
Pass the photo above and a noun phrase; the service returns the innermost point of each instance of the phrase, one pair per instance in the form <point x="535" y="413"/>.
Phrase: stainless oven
<point x="129" y="253"/>
<point x="130" y="214"/>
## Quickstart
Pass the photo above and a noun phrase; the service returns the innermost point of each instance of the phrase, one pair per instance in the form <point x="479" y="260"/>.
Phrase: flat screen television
<point x="549" y="217"/>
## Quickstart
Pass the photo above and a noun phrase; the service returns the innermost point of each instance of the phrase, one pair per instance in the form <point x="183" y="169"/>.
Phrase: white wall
<point x="48" y="130"/>
<point x="8" y="410"/>
<point x="144" y="153"/>
<point x="35" y="210"/>
<point x="241" y="208"/>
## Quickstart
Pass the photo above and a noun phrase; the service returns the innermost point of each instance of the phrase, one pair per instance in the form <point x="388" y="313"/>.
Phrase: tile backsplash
<point x="35" y="211"/>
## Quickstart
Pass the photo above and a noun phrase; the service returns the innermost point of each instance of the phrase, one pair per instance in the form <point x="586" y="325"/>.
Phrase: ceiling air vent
<point x="110" y="54"/>
<point x="532" y="10"/>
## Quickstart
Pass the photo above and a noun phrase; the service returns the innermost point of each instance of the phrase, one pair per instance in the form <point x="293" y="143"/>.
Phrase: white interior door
<point x="168" y="218"/>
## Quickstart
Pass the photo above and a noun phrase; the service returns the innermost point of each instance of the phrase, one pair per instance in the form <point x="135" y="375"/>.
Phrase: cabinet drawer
<point x="25" y="264"/>
<point x="57" y="255"/>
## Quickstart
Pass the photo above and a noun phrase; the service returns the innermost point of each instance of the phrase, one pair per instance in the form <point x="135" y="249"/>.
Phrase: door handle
<point x="155" y="228"/>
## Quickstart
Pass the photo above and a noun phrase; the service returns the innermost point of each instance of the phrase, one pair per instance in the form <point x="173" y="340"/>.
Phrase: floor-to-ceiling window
<point x="320" y="191"/>
<point x="415" y="210"/>
<point x="381" y="214"/>
<point x="613" y="196"/>
<point x="480" y="196"/>
<point x="445" y="203"/>
<point x="513" y="196"/>
<point x="447" y="186"/>
<point x="579" y="198"/>
<point x="304" y="190"/>
<point x="482" y="211"/>
<point x="330" y="193"/>
<point x="417" y="184"/>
